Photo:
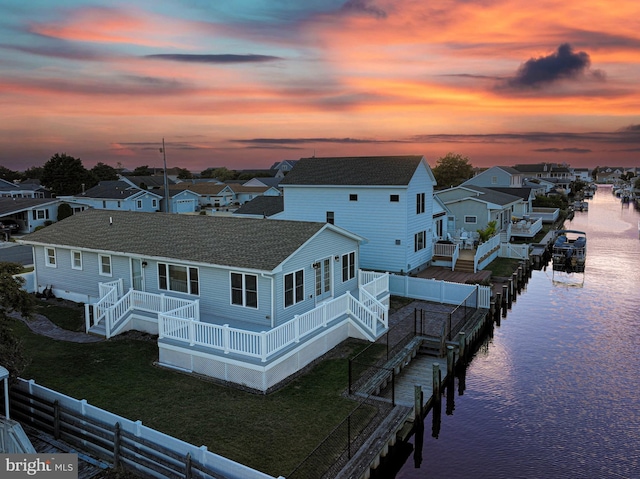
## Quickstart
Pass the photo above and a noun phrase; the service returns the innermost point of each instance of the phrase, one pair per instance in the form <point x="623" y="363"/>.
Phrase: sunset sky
<point x="245" y="83"/>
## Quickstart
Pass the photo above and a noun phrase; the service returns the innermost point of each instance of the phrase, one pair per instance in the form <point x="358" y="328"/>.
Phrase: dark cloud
<point x="221" y="58"/>
<point x="155" y="146"/>
<point x="562" y="64"/>
<point x="363" y="6"/>
<point x="563" y="150"/>
<point x="631" y="128"/>
<point x="619" y="137"/>
<point x="301" y="141"/>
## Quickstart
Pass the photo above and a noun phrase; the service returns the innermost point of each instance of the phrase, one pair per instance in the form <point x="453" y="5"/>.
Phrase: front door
<point x="323" y="279"/>
<point x="137" y="275"/>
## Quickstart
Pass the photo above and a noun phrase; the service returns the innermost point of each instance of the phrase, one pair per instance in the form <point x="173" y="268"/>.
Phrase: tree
<point x="9" y="175"/>
<point x="143" y="170"/>
<point x="35" y="172"/>
<point x="64" y="211"/>
<point x="12" y="298"/>
<point x="184" y="174"/>
<point x="65" y="175"/>
<point x="104" y="172"/>
<point x="222" y="174"/>
<point x="452" y="169"/>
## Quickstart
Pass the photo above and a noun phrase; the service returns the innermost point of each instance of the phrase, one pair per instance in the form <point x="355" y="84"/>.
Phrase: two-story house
<point x="388" y="200"/>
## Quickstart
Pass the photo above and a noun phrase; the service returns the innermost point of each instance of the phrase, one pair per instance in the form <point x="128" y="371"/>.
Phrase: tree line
<point x="65" y="175"/>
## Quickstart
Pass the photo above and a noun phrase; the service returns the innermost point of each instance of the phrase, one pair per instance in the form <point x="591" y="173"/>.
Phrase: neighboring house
<point x="280" y="168"/>
<point x="560" y="175"/>
<point x="243" y="300"/>
<point x="118" y="195"/>
<point x="386" y="199"/>
<point x="583" y="174"/>
<point x="261" y="207"/>
<point x="210" y="194"/>
<point x="33" y="212"/>
<point x="474" y="207"/>
<point x="183" y="201"/>
<point x="263" y="181"/>
<point x="22" y="190"/>
<point x="150" y="183"/>
<point x="243" y="193"/>
<point x="497" y="176"/>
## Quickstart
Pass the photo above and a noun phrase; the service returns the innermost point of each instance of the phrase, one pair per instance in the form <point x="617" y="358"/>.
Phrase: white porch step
<point x="98" y="330"/>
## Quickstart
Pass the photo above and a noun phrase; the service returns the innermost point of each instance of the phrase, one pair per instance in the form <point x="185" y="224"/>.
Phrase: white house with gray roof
<point x="388" y="200"/>
<point x="497" y="176"/>
<point x="244" y="300"/>
<point x="118" y="195"/>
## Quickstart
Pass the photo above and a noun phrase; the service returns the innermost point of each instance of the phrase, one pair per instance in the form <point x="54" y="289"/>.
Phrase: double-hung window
<point x="76" y="259"/>
<point x="293" y="288"/>
<point x="348" y="266"/>
<point x="178" y="278"/>
<point x="418" y="240"/>
<point x="105" y="264"/>
<point x="420" y="201"/>
<point x="50" y="257"/>
<point x="244" y="290"/>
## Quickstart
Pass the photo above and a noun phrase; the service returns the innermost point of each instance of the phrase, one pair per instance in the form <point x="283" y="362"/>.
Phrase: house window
<point x="181" y="279"/>
<point x="154" y="203"/>
<point x="76" y="259"/>
<point x="353" y="197"/>
<point x="330" y="217"/>
<point x="40" y="214"/>
<point x="394" y="198"/>
<point x="418" y="240"/>
<point x="471" y="220"/>
<point x="419" y="203"/>
<point x="139" y="204"/>
<point x="50" y="257"/>
<point x="293" y="288"/>
<point x="348" y="266"/>
<point x="104" y="204"/>
<point x="494" y="180"/>
<point x="119" y="204"/>
<point x="244" y="290"/>
<point x="105" y="264"/>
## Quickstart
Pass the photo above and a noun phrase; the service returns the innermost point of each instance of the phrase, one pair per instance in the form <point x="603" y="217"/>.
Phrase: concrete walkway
<point x="40" y="324"/>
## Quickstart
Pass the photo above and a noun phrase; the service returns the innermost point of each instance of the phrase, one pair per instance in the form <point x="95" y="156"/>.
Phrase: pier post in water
<point x="450" y="362"/>
<point x="461" y="345"/>
<point x="417" y="402"/>
<point x="436" y="382"/>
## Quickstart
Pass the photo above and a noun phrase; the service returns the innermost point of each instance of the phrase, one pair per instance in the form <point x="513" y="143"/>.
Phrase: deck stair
<point x="432" y="346"/>
<point x="465" y="265"/>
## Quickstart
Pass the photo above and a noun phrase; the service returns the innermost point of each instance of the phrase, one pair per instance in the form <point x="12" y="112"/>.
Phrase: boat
<point x="569" y="251"/>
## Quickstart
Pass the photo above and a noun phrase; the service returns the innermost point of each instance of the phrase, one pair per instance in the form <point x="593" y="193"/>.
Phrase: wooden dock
<point x="417" y="373"/>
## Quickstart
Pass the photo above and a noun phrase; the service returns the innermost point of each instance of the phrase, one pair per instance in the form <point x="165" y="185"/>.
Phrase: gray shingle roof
<point x="227" y="241"/>
<point x="115" y="189"/>
<point x="262" y="205"/>
<point x="491" y="195"/>
<point x="356" y="171"/>
<point x="14" y="205"/>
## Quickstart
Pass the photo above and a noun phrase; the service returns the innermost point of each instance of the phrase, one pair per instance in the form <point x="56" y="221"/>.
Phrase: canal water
<point x="555" y="391"/>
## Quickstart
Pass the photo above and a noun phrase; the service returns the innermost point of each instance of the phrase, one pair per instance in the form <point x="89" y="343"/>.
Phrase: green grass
<point x="501" y="267"/>
<point x="272" y="433"/>
<point x="62" y="316"/>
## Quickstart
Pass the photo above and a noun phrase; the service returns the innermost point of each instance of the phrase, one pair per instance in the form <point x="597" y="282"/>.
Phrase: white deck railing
<point x="179" y="319"/>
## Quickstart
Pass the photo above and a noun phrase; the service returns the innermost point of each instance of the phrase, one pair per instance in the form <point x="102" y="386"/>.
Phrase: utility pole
<point x="166" y="182"/>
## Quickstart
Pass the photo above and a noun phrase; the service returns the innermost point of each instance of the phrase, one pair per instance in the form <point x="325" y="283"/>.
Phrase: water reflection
<point x="554" y="392"/>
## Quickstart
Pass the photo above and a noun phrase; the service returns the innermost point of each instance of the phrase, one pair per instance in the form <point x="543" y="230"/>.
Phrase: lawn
<point x="272" y="433"/>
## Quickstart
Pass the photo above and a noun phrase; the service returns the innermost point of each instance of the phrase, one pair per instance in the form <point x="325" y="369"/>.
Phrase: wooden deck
<point x="445" y="274"/>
